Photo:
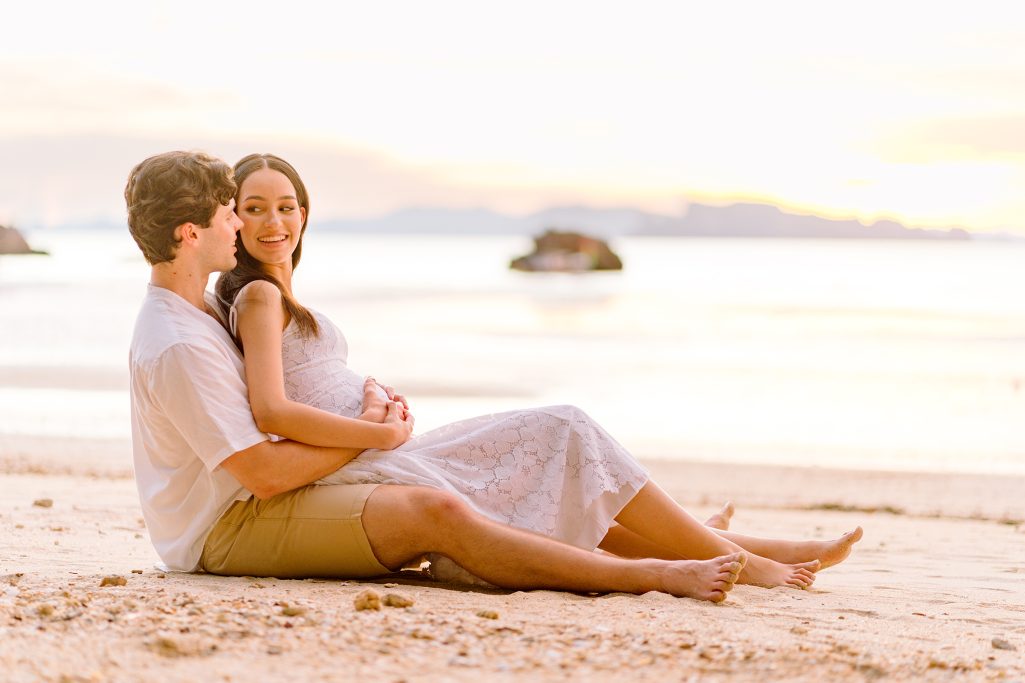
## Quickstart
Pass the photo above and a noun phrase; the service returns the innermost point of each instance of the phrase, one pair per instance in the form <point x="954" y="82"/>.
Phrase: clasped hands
<point x="382" y="405"/>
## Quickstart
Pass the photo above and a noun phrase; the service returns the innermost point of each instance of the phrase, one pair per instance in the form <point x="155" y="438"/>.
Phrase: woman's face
<point x="272" y="219"/>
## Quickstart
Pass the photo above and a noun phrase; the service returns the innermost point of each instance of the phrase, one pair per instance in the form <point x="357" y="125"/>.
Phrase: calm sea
<point x="903" y="355"/>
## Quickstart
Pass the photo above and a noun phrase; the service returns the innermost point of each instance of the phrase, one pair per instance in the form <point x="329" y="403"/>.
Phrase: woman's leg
<point x="621" y="541"/>
<point x="828" y="553"/>
<point x="656" y="517"/>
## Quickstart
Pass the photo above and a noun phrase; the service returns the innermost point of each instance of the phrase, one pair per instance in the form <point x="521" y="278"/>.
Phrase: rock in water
<point x="568" y="252"/>
<point x="11" y="242"/>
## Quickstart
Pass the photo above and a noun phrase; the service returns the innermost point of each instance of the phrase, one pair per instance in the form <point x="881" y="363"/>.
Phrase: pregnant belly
<point x="339" y="391"/>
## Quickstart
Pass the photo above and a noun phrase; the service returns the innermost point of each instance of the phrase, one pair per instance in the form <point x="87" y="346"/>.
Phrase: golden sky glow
<point x="914" y="111"/>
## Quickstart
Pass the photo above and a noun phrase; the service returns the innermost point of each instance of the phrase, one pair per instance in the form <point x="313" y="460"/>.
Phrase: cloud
<point x="981" y="138"/>
<point x="62" y="95"/>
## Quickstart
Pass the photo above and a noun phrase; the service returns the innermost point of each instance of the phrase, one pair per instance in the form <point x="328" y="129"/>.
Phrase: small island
<point x="11" y="242"/>
<point x="567" y="252"/>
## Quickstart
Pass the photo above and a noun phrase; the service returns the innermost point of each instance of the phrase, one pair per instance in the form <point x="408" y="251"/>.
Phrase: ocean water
<point x="866" y="354"/>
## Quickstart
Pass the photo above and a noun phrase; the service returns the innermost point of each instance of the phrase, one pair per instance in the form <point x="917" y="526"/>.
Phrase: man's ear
<point x="187" y="233"/>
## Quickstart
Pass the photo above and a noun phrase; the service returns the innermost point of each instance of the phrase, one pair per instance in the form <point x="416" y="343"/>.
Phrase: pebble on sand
<point x="43" y="502"/>
<point x="397" y="600"/>
<point x="487" y="614"/>
<point x="1001" y="644"/>
<point x="178" y="646"/>
<point x="367" y="599"/>
<point x="113" y="581"/>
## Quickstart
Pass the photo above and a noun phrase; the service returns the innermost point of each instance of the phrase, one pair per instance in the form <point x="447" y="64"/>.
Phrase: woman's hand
<point x="375" y="407"/>
<point x="392" y="396"/>
<point x="401" y="422"/>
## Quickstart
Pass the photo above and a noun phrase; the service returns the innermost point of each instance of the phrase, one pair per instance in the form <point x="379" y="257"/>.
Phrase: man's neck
<point x="188" y="283"/>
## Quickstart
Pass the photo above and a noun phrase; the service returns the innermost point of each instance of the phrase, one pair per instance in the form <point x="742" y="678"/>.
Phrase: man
<point x="218" y="495"/>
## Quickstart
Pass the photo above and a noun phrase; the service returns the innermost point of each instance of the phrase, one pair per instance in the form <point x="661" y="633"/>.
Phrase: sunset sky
<point x="913" y="111"/>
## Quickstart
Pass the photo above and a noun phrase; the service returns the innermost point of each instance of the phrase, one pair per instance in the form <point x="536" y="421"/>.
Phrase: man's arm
<point x="274" y="467"/>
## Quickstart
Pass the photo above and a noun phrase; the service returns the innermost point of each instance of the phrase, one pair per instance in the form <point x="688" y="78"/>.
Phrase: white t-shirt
<point x="190" y="411"/>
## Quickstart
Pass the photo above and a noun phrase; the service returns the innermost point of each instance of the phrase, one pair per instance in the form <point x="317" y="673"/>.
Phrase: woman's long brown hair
<point x="248" y="268"/>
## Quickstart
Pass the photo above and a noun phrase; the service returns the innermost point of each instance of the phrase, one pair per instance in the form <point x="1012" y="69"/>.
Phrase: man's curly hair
<point x="170" y="189"/>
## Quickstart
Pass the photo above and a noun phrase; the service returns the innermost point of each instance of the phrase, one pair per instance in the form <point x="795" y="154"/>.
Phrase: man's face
<point x="218" y="245"/>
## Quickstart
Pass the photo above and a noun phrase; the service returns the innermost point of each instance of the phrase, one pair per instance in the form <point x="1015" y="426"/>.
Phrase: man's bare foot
<point x="703" y="579"/>
<point x="721" y="519"/>
<point x="761" y="571"/>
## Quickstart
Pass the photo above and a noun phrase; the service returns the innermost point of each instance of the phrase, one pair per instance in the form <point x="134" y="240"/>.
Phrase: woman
<point x="548" y="470"/>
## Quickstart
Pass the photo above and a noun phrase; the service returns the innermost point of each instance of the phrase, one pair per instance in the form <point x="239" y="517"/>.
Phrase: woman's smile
<point x="274" y="239"/>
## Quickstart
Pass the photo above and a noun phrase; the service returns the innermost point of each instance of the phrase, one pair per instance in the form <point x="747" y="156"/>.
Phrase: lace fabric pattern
<point x="551" y="470"/>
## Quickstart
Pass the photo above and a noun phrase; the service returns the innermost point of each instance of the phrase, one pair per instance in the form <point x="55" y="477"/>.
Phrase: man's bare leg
<point x="655" y="516"/>
<point x="403" y="522"/>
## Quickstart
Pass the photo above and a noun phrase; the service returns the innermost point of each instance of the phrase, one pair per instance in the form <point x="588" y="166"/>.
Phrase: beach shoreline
<point x="933" y="592"/>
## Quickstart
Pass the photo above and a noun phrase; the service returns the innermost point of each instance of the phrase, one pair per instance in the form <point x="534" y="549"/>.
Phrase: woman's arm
<point x="261" y="320"/>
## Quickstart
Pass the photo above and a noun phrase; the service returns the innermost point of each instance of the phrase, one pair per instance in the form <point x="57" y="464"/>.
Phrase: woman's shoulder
<point x="257" y="300"/>
<point x="258" y="291"/>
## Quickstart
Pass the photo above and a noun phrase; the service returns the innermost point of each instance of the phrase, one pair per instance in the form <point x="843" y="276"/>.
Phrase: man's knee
<point x="412" y="512"/>
<point x="401" y="521"/>
<point x="438" y="508"/>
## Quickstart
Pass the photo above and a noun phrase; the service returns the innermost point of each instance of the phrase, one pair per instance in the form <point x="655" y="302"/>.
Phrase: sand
<point x="935" y="591"/>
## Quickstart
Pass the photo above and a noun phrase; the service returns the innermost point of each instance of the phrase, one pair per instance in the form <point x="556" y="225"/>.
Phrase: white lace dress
<point x="551" y="470"/>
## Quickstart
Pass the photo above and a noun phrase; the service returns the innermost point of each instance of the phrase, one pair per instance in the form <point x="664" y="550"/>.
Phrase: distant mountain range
<point x="700" y="220"/>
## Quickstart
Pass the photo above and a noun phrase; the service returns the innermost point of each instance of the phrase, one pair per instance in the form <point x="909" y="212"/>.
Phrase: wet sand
<point x="935" y="591"/>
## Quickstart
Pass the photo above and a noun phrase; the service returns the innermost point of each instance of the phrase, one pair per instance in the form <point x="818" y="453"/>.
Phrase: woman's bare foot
<point x="703" y="579"/>
<point x="828" y="553"/>
<point x="836" y="551"/>
<point x="761" y="571"/>
<point x="721" y="519"/>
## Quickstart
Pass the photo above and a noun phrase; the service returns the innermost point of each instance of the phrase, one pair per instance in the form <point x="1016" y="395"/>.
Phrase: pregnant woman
<point x="552" y="470"/>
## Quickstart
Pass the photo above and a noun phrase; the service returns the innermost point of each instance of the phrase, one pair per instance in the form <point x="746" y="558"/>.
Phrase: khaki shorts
<point x="311" y="531"/>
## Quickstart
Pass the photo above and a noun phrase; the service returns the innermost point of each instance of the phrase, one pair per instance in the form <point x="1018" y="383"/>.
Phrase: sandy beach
<point x="935" y="591"/>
